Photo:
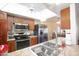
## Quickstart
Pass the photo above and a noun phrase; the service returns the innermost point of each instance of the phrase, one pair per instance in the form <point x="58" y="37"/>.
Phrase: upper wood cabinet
<point x="65" y="18"/>
<point x="31" y="24"/>
<point x="28" y="21"/>
<point x="3" y="15"/>
<point x="18" y="20"/>
<point x="10" y="20"/>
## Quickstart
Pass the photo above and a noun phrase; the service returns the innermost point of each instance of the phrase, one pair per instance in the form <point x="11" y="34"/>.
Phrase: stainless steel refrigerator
<point x="42" y="32"/>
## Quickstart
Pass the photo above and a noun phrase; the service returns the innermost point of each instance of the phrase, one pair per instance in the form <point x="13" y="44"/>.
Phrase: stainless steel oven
<point x="22" y="41"/>
<point x="22" y="44"/>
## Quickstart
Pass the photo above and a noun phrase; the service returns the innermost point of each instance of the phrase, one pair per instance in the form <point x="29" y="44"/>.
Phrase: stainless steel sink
<point x="47" y="49"/>
<point x="51" y="45"/>
<point x="42" y="51"/>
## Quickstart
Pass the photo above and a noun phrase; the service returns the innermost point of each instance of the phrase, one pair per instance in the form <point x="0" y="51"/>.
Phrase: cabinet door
<point x="12" y="46"/>
<point x="33" y="41"/>
<point x="18" y="20"/>
<point x="10" y="22"/>
<point x="65" y="18"/>
<point x="3" y="15"/>
<point x="31" y="24"/>
<point x="3" y="31"/>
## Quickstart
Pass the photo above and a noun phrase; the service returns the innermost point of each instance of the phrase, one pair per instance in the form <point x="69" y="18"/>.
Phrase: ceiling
<point x="34" y="6"/>
<point x="40" y="11"/>
<point x="54" y="7"/>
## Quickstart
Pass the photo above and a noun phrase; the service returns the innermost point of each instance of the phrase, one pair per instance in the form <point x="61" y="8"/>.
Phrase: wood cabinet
<point x="10" y="20"/>
<point x="3" y="15"/>
<point x="65" y="18"/>
<point x="18" y="20"/>
<point x="28" y="21"/>
<point x="31" y="25"/>
<point x="12" y="45"/>
<point x="3" y="31"/>
<point x="33" y="40"/>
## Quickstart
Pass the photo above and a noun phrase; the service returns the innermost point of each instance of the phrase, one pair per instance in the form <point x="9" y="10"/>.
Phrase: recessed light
<point x="58" y="22"/>
<point x="57" y="3"/>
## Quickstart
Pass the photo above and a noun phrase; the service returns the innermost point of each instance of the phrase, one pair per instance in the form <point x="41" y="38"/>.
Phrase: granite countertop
<point x="22" y="52"/>
<point x="72" y="50"/>
<point x="10" y="39"/>
<point x="32" y="36"/>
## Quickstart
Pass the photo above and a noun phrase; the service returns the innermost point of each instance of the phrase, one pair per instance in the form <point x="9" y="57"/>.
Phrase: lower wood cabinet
<point x="12" y="45"/>
<point x="33" y="40"/>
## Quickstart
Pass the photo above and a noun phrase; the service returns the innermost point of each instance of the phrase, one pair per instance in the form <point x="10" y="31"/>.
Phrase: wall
<point x="51" y="24"/>
<point x="74" y="17"/>
<point x="77" y="22"/>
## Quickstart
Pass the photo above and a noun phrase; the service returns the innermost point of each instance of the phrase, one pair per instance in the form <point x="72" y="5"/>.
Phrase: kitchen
<point x="38" y="33"/>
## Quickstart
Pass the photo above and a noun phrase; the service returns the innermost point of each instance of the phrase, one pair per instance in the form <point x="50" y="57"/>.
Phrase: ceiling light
<point x="58" y="22"/>
<point x="57" y="3"/>
<point x="54" y="3"/>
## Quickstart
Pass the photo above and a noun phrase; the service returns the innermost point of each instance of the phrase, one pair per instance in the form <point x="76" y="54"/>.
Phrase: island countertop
<point x="72" y="50"/>
<point x="22" y="52"/>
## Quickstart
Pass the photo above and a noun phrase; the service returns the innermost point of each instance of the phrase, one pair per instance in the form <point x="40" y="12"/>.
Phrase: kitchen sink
<point x="44" y="50"/>
<point x="51" y="45"/>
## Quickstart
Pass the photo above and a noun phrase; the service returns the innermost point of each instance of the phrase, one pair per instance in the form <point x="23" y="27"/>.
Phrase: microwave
<point x="21" y="26"/>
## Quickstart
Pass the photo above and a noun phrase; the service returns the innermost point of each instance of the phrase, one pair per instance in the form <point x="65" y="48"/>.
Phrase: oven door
<point x="22" y="44"/>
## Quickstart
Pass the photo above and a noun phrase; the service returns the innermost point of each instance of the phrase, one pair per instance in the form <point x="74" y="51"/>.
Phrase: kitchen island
<point x="71" y="50"/>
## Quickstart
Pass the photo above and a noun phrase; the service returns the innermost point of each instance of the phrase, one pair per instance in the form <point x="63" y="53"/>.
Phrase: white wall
<point x="77" y="19"/>
<point x="73" y="23"/>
